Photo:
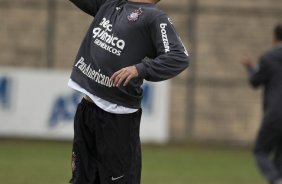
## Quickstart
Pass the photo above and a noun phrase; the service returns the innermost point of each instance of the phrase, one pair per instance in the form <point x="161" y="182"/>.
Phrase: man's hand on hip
<point x="124" y="75"/>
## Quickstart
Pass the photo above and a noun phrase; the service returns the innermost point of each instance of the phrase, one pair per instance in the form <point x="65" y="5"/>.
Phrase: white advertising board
<point x="38" y="104"/>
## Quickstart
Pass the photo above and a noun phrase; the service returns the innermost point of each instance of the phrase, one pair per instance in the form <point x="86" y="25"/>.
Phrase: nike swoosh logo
<point x="114" y="179"/>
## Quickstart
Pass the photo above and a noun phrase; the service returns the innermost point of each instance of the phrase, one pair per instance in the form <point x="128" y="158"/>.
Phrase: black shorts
<point x="106" y="146"/>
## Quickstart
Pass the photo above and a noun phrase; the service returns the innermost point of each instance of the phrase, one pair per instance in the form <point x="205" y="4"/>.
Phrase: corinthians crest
<point x="134" y="16"/>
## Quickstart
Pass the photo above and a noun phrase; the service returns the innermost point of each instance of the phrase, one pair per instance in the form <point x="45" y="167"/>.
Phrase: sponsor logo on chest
<point x="104" y="38"/>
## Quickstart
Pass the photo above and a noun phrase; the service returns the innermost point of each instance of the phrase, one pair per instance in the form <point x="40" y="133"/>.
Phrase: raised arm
<point x="260" y="74"/>
<point x="90" y="7"/>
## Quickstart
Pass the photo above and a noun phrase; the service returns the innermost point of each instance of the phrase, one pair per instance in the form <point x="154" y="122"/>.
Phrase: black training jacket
<point x="124" y="34"/>
<point x="268" y="74"/>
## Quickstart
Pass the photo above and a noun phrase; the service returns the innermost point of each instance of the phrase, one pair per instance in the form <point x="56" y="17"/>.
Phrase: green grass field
<point x="42" y="162"/>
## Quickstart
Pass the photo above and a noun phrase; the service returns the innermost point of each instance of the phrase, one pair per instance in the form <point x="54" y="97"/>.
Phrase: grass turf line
<point x="43" y="162"/>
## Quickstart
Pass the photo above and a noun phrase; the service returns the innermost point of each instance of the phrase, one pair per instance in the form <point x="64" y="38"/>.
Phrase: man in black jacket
<point x="268" y="73"/>
<point x="127" y="42"/>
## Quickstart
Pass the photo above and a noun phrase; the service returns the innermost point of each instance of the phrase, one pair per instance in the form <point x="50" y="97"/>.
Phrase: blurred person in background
<point x="127" y="42"/>
<point x="268" y="74"/>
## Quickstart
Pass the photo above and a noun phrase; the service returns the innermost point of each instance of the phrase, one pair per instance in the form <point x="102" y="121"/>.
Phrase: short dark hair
<point x="278" y="32"/>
